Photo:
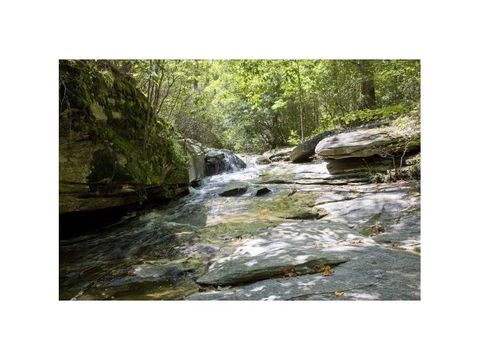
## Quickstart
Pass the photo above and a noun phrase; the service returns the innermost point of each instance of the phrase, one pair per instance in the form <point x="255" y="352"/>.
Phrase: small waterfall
<point x="221" y="161"/>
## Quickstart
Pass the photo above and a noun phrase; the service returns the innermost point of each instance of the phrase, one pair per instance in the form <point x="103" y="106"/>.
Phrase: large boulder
<point x="105" y="160"/>
<point x="305" y="151"/>
<point x="220" y="161"/>
<point x="364" y="143"/>
<point x="371" y="149"/>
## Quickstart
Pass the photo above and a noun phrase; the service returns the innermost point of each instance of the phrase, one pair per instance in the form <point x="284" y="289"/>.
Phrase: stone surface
<point x="262" y="160"/>
<point x="101" y="165"/>
<point x="369" y="142"/>
<point x="305" y="151"/>
<point x="373" y="273"/>
<point x="289" y="245"/>
<point x="263" y="191"/>
<point x="235" y="191"/>
<point x="220" y="161"/>
<point x="357" y="165"/>
<point x="395" y="208"/>
<point x="369" y="233"/>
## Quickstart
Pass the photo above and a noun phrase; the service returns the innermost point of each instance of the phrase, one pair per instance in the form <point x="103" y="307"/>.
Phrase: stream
<point x="313" y="236"/>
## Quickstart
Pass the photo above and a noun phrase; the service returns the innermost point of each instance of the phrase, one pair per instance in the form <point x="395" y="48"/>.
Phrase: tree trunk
<point x="368" y="84"/>
<point x="300" y="97"/>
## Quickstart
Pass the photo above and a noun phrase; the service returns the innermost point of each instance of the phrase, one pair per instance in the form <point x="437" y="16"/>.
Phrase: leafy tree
<point x="253" y="105"/>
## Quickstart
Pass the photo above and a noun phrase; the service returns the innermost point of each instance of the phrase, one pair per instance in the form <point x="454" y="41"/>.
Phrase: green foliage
<point x="243" y="105"/>
<point x="293" y="139"/>
<point x="377" y="177"/>
<point x="365" y="116"/>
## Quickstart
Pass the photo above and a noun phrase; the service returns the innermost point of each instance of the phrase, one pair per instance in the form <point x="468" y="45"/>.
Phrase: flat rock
<point x="372" y="273"/>
<point x="368" y="142"/>
<point x="289" y="245"/>
<point x="394" y="208"/>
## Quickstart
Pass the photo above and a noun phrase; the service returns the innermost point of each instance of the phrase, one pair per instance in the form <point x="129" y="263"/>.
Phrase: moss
<point x="297" y="206"/>
<point x="98" y="112"/>
<point x="235" y="230"/>
<point x="95" y="90"/>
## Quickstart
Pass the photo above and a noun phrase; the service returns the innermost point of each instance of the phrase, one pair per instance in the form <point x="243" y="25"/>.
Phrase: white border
<point x="36" y="34"/>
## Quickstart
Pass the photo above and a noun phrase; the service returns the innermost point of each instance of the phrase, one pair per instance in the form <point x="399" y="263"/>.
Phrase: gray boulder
<point x="236" y="188"/>
<point x="263" y="191"/>
<point x="220" y="161"/>
<point x="235" y="191"/>
<point x="305" y="151"/>
<point x="369" y="142"/>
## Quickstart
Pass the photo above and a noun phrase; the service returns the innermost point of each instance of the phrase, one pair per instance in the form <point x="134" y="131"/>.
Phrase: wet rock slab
<point x="296" y="247"/>
<point x="375" y="273"/>
<point x="389" y="214"/>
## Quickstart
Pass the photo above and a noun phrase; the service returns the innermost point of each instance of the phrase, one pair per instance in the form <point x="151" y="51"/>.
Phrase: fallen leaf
<point x="377" y="228"/>
<point x="326" y="270"/>
<point x="261" y="214"/>
<point x="289" y="272"/>
<point x="339" y="293"/>
<point x="355" y="242"/>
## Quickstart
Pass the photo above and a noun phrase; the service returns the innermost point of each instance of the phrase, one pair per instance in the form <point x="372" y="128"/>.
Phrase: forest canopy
<point x="256" y="105"/>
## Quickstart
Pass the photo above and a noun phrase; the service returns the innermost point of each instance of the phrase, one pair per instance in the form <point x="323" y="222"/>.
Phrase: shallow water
<point x="159" y="254"/>
<point x="105" y="259"/>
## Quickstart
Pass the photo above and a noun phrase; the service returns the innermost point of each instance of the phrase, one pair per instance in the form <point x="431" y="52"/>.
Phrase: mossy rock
<point x="103" y="114"/>
<point x="298" y="206"/>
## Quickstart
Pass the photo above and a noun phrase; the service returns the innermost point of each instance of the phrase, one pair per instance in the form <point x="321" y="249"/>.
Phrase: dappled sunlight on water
<point x="204" y="232"/>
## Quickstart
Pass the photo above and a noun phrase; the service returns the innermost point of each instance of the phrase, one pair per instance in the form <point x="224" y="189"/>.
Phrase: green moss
<point x="297" y="206"/>
<point x="235" y="230"/>
<point x="95" y="90"/>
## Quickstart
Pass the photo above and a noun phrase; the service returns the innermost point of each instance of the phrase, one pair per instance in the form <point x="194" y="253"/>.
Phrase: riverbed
<point x="309" y="236"/>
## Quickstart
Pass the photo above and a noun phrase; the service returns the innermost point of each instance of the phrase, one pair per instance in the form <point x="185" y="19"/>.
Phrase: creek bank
<point x="101" y="164"/>
<point x="115" y="155"/>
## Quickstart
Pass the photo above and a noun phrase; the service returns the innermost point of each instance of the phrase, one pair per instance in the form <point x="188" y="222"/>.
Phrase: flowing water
<point x="103" y="264"/>
<point x="160" y="253"/>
